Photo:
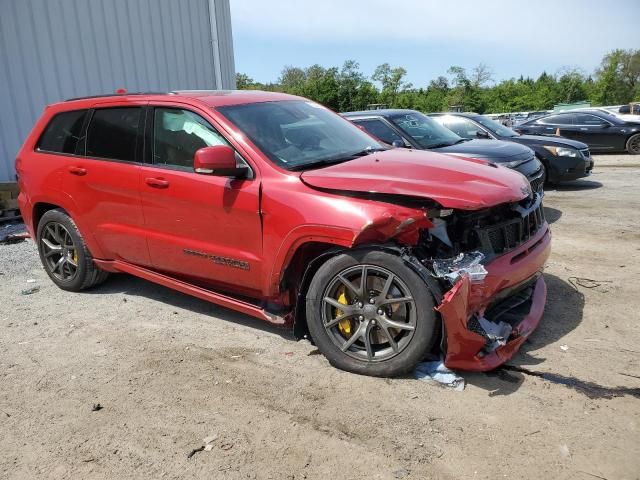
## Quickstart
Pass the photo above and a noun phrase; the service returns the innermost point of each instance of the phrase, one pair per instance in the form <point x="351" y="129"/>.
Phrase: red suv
<point x="275" y="206"/>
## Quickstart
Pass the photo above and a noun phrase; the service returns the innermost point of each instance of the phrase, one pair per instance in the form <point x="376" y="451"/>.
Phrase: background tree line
<point x="616" y="81"/>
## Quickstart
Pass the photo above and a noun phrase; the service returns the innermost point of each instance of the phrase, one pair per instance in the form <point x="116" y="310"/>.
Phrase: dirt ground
<point x="170" y="370"/>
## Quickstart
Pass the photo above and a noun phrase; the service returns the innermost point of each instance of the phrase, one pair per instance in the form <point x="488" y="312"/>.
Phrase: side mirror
<point x="398" y="144"/>
<point x="219" y="160"/>
<point x="481" y="134"/>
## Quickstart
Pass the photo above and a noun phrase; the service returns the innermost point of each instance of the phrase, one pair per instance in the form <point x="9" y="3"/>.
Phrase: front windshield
<point x="495" y="127"/>
<point x="424" y="130"/>
<point x="298" y="134"/>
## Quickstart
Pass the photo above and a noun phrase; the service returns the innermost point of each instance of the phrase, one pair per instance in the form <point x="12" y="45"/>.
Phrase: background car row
<point x="552" y="148"/>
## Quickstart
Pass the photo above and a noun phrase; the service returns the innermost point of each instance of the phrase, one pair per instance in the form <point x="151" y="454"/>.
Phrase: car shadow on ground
<point x="574" y="186"/>
<point x="552" y="214"/>
<point x="563" y="313"/>
<point x="121" y="283"/>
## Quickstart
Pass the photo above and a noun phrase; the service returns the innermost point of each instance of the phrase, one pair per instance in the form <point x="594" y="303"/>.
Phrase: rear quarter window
<point x="63" y="132"/>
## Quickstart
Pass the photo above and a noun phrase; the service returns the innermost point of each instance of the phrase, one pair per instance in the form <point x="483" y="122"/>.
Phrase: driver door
<point x="201" y="227"/>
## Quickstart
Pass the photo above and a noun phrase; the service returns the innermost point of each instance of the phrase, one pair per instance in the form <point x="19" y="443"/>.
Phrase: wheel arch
<point x="41" y="207"/>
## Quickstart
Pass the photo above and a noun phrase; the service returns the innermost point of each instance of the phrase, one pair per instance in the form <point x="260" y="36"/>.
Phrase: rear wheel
<point x="369" y="313"/>
<point x="633" y="144"/>
<point x="64" y="255"/>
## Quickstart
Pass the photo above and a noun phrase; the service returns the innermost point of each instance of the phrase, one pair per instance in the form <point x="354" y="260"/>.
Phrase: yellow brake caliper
<point x="344" y="325"/>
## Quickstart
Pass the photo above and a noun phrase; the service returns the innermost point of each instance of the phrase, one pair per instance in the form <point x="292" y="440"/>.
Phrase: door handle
<point x="77" y="171"/>
<point x="156" y="182"/>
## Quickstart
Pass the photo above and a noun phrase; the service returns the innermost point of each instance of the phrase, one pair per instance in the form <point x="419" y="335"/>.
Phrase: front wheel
<point x="633" y="144"/>
<point x="369" y="313"/>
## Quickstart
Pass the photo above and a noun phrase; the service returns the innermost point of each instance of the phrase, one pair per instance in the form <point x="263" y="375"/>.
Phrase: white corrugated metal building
<point x="51" y="50"/>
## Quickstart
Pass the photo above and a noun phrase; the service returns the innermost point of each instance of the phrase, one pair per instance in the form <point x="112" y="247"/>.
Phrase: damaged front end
<point x="488" y="263"/>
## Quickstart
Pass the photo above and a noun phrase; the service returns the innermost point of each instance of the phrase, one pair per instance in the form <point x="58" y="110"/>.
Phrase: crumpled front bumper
<point x="465" y="348"/>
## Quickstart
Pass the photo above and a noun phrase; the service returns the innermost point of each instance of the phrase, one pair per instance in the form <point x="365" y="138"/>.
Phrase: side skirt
<point x="193" y="290"/>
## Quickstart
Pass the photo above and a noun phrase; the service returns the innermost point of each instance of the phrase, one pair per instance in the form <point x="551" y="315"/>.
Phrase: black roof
<point x="455" y="114"/>
<point x="385" y="112"/>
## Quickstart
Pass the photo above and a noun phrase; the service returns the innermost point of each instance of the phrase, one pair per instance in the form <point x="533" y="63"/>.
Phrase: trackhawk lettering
<point x="229" y="262"/>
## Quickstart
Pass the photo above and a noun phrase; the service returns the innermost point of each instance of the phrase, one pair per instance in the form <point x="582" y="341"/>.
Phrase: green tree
<point x="392" y="81"/>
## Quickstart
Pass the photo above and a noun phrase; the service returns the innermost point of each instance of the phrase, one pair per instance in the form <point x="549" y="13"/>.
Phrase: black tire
<point x="418" y="313"/>
<point x="633" y="144"/>
<point x="57" y="225"/>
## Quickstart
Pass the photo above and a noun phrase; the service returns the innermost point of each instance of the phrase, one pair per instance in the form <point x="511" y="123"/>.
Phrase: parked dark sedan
<point x="602" y="132"/>
<point x="563" y="159"/>
<point x="412" y="129"/>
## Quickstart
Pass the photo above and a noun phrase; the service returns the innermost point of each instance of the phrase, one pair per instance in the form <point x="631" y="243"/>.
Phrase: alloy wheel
<point x="59" y="251"/>
<point x="369" y="313"/>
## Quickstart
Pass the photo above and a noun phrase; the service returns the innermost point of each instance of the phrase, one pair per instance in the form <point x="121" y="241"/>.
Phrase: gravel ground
<point x="169" y="370"/>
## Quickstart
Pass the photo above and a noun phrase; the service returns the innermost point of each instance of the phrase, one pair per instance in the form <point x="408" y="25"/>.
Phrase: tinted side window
<point x="586" y="119"/>
<point x="380" y="130"/>
<point x="566" y="119"/>
<point x="113" y="133"/>
<point x="178" y="134"/>
<point x="63" y="132"/>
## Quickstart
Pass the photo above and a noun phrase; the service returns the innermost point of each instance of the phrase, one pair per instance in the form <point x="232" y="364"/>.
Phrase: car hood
<point x="540" y="140"/>
<point x="496" y="151"/>
<point x="453" y="182"/>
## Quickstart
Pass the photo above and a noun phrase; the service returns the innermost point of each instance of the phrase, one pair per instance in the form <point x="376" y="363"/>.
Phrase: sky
<point x="426" y="37"/>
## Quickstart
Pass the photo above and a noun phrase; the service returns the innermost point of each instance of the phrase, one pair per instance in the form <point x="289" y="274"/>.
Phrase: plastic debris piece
<point x="31" y="280"/>
<point x="208" y="447"/>
<point x="454" y="268"/>
<point x="498" y="332"/>
<point x="210" y="439"/>
<point x="30" y="290"/>
<point x="564" y="348"/>
<point x="14" y="238"/>
<point x="194" y="451"/>
<point x="436" y="371"/>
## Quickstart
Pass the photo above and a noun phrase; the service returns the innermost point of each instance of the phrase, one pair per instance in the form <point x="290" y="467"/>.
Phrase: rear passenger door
<point x="103" y="181"/>
<point x="596" y="132"/>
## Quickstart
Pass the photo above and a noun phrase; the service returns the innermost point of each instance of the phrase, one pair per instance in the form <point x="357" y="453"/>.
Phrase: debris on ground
<point x="30" y="290"/>
<point x="210" y="439"/>
<point x="436" y="371"/>
<point x="586" y="282"/>
<point x="208" y="447"/>
<point x="194" y="451"/>
<point x="96" y="407"/>
<point x="401" y="473"/>
<point x="564" y="348"/>
<point x="226" y="446"/>
<point x="14" y="238"/>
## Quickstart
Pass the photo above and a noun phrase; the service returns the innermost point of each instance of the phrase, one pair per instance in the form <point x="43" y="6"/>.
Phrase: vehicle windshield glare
<point x="424" y="130"/>
<point x="496" y="127"/>
<point x="299" y="134"/>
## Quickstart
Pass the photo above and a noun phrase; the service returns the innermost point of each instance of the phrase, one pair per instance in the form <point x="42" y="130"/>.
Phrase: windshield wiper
<point x="448" y="144"/>
<point x="336" y="160"/>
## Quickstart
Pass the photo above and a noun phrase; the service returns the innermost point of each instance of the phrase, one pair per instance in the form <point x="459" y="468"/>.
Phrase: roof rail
<point x="117" y="95"/>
